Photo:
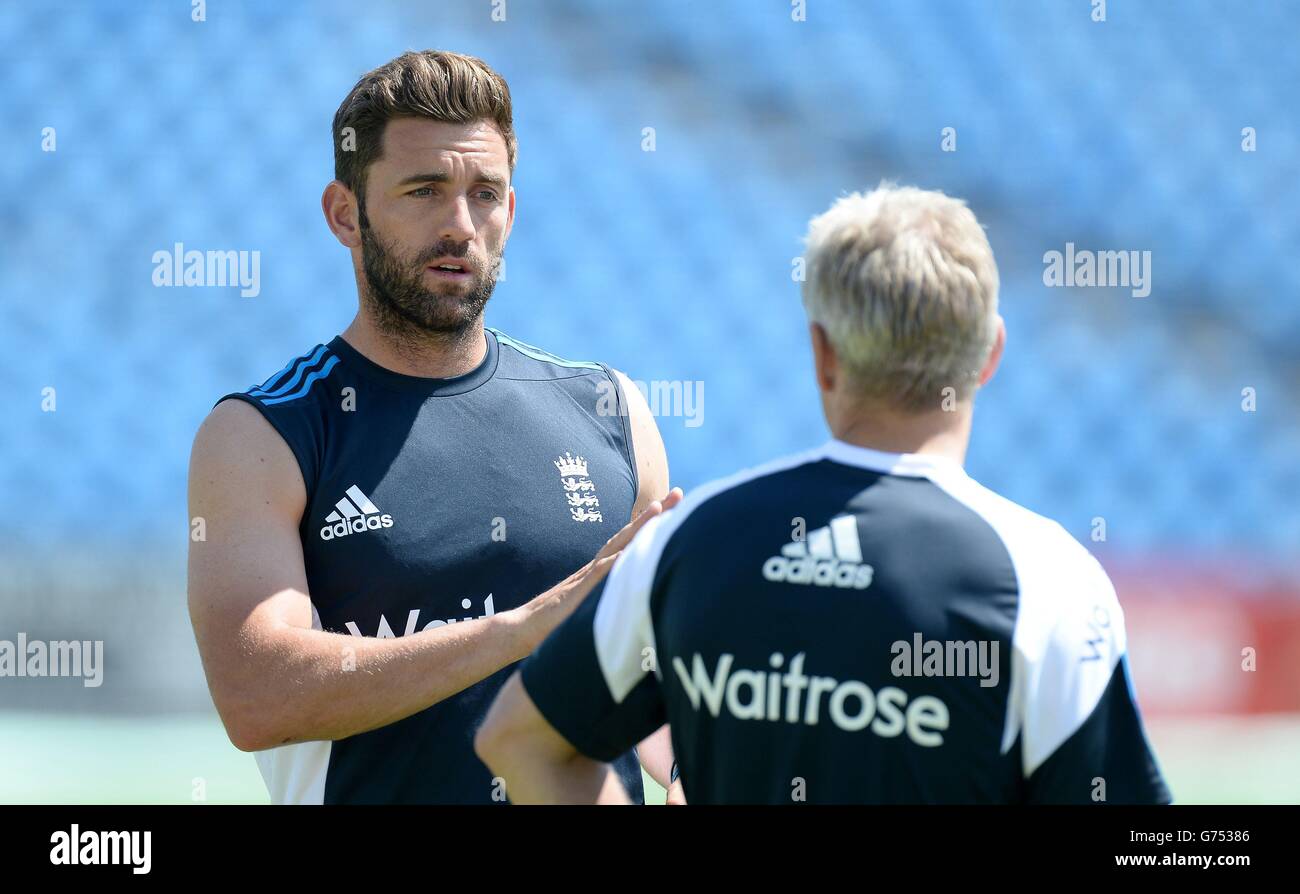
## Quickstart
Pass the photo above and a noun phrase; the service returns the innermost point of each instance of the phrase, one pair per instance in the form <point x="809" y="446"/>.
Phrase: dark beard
<point x="407" y="310"/>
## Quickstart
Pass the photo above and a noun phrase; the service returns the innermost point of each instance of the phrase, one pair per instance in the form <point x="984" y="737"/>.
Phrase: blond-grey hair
<point x="904" y="282"/>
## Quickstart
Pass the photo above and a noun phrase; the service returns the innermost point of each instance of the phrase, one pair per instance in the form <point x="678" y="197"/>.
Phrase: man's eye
<point x="487" y="195"/>
<point x="422" y="191"/>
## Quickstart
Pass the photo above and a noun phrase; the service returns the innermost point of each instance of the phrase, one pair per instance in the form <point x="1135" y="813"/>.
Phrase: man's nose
<point x="457" y="225"/>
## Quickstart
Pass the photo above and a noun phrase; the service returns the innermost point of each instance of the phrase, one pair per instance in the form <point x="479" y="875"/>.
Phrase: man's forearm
<point x="310" y="685"/>
<point x="534" y="777"/>
<point x="656" y="755"/>
<point x="275" y="683"/>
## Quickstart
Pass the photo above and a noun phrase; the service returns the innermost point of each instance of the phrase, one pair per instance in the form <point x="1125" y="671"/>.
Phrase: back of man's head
<point x="904" y="283"/>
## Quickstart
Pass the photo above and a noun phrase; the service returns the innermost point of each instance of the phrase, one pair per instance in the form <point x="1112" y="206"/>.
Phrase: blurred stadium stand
<point x="1123" y="135"/>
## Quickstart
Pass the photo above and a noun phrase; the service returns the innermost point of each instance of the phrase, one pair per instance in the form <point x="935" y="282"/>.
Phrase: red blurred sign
<point x="1200" y="641"/>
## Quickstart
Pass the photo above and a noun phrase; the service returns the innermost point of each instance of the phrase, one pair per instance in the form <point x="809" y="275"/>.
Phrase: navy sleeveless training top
<point x="431" y="502"/>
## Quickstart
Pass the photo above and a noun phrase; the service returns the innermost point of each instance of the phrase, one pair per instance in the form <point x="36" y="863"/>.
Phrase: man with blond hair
<point x="381" y="514"/>
<point x="862" y="622"/>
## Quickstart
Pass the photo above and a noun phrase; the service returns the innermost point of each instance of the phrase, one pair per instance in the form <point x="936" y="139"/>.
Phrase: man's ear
<point x="825" y="362"/>
<point x="995" y="355"/>
<point x="342" y="213"/>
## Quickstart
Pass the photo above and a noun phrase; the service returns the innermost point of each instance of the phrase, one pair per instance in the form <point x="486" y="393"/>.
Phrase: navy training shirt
<point x="854" y="626"/>
<point x="430" y="502"/>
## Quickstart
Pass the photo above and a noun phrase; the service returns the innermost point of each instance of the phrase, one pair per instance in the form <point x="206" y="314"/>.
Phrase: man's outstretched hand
<point x="545" y="612"/>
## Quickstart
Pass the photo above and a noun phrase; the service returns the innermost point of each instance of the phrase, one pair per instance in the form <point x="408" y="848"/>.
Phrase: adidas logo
<point x="829" y="557"/>
<point x="352" y="515"/>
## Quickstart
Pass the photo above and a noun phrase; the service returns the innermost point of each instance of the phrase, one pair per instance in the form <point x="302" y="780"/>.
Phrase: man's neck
<point x="432" y="355"/>
<point x="936" y="433"/>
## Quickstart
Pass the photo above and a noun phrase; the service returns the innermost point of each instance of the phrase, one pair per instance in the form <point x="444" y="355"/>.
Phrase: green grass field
<point x="98" y="759"/>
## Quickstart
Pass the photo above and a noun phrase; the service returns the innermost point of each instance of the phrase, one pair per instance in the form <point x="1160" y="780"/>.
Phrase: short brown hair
<point x="432" y="84"/>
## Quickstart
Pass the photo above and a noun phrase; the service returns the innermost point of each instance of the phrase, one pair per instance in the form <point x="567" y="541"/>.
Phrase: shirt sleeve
<point x="1083" y="736"/>
<point x="593" y="678"/>
<point x="1107" y="760"/>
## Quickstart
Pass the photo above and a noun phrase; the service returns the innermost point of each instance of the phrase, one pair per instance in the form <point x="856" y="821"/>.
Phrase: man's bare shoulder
<point x="647" y="445"/>
<point x="235" y="444"/>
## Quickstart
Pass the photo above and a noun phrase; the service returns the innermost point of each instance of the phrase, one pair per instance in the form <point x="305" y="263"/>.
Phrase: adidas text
<point x="356" y="526"/>
<point x="818" y="572"/>
<point x="830" y="557"/>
